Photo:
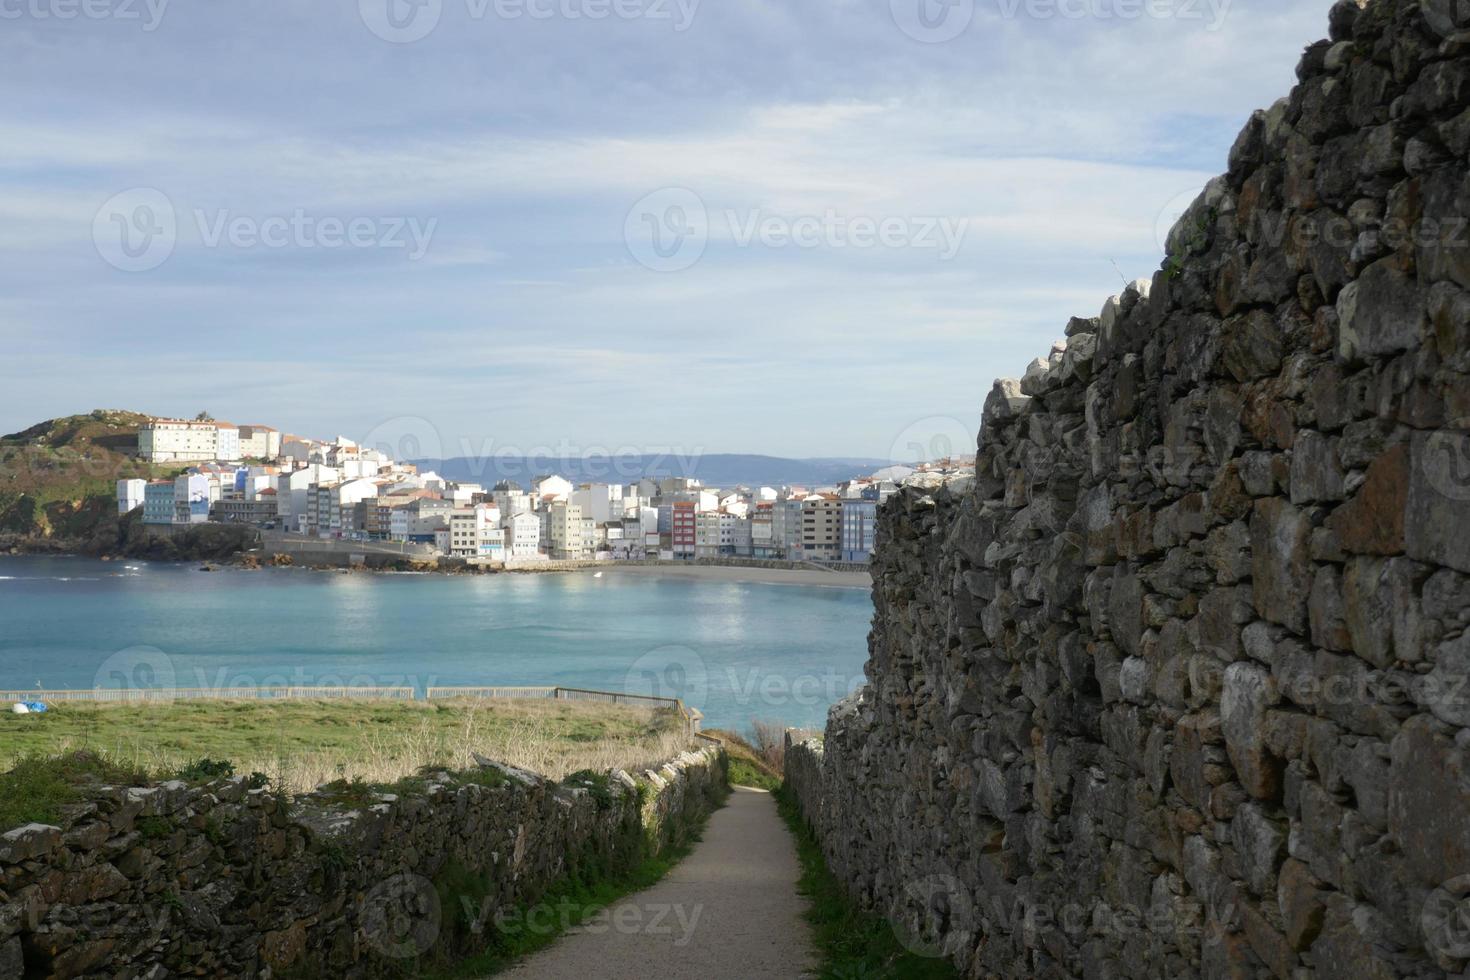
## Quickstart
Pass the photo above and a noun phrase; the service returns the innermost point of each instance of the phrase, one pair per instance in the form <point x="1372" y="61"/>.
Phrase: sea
<point x="737" y="651"/>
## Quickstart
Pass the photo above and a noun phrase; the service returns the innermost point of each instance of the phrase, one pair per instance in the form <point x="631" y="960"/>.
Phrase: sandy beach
<point x="741" y="573"/>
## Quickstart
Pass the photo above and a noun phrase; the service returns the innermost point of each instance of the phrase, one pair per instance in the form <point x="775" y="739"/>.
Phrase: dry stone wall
<point x="1175" y="685"/>
<point x="225" y="880"/>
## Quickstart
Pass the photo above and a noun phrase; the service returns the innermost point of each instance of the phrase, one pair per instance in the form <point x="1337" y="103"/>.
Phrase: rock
<point x="1373" y="522"/>
<point x="28" y="843"/>
<point x="1438" y="507"/>
<point x="1280" y="563"/>
<point x="1260" y="843"/>
<point x="1247" y="693"/>
<point x="1382" y="312"/>
<point x="1429" y="802"/>
<point x="1299" y="897"/>
<point x="1253" y="346"/>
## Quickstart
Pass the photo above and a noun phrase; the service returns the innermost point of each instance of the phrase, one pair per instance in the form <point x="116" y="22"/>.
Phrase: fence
<point x="214" y="694"/>
<point x="692" y="717"/>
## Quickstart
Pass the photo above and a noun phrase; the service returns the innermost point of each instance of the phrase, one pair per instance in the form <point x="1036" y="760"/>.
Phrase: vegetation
<point x="38" y="788"/>
<point x="747" y="766"/>
<point x="853" y="944"/>
<point x="354" y="745"/>
<point x="59" y="478"/>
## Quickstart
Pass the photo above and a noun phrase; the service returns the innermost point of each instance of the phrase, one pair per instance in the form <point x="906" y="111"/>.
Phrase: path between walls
<point x="728" y="910"/>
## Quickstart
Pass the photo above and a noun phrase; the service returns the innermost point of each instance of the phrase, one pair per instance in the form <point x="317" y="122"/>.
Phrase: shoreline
<point x="753" y="574"/>
<point x="705" y="571"/>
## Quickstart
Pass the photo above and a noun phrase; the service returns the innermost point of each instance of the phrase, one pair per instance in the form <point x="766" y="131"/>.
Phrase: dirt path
<point x="728" y="911"/>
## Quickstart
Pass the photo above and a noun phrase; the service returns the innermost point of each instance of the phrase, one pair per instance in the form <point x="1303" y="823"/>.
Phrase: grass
<point x="747" y="767"/>
<point x="300" y="745"/>
<point x="853" y="944"/>
<point x="37" y="788"/>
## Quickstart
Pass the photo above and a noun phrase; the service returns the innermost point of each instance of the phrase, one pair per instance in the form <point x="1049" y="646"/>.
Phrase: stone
<point x="1429" y="801"/>
<point x="1374" y="521"/>
<point x="1280" y="563"/>
<point x="1438" y="506"/>
<point x="1316" y="474"/>
<point x="1381" y="313"/>
<point x="1247" y="693"/>
<point x="1253" y="346"/>
<point x="1299" y="898"/>
<point x="1260" y="843"/>
<point x="28" y="843"/>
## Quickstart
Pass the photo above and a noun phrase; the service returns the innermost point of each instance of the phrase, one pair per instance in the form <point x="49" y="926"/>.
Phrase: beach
<point x="740" y="573"/>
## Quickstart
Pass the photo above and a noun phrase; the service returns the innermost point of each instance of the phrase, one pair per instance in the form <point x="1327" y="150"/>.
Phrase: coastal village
<point x="342" y="490"/>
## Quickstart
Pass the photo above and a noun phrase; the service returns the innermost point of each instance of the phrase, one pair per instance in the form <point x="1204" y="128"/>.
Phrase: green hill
<point x="58" y="479"/>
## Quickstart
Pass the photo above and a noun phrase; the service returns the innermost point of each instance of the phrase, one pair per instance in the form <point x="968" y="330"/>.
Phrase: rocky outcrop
<point x="1177" y="684"/>
<point x="231" y="880"/>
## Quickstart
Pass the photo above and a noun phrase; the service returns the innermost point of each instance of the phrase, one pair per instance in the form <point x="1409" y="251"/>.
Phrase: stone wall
<point x="226" y="880"/>
<point x="1176" y="684"/>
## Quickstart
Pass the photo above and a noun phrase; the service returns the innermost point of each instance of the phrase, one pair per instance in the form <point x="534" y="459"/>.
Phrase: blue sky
<point x="337" y="226"/>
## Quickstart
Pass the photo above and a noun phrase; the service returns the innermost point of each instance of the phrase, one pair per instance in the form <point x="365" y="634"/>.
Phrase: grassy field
<point x="301" y="745"/>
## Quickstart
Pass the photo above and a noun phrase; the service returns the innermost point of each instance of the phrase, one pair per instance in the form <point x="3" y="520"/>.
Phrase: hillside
<point x="58" y="492"/>
<point x="58" y="478"/>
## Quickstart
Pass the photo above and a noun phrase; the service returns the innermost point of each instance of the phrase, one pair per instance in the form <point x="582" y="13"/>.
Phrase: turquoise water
<point x="737" y="651"/>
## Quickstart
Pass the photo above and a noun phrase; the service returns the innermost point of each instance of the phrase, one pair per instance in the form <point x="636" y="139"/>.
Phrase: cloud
<point x="1057" y="143"/>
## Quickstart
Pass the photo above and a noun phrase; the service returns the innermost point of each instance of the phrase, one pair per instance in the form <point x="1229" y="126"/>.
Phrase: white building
<point x="130" y="495"/>
<point x="178" y="441"/>
<point x="548" y="485"/>
<point x="259" y="442"/>
<point x="564" y="532"/>
<point x="522" y="535"/>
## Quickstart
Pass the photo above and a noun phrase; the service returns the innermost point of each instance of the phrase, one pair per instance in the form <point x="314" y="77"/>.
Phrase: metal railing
<point x="691" y="716"/>
<point x="215" y="694"/>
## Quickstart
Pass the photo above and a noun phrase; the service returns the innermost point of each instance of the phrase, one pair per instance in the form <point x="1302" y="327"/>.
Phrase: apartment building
<point x="683" y="528"/>
<point x="158" y="502"/>
<point x="130" y="495"/>
<point x="522" y="535"/>
<point x="566" y="533"/>
<point x="821" y="527"/>
<point x="859" y="524"/>
<point x="187" y="441"/>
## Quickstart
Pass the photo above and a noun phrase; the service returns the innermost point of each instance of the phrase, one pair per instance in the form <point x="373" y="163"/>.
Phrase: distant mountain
<point x="713" y="469"/>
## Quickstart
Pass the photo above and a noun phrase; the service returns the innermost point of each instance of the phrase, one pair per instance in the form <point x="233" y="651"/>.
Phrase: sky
<point x="810" y="228"/>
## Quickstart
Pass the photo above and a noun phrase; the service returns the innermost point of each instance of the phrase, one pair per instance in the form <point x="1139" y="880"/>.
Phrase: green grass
<point x="37" y="788"/>
<point x="853" y="944"/>
<point x="745" y="772"/>
<point x="747" y="767"/>
<point x="304" y="744"/>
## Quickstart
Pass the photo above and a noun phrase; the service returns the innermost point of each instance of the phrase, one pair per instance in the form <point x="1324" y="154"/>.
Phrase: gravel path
<point x="728" y="911"/>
